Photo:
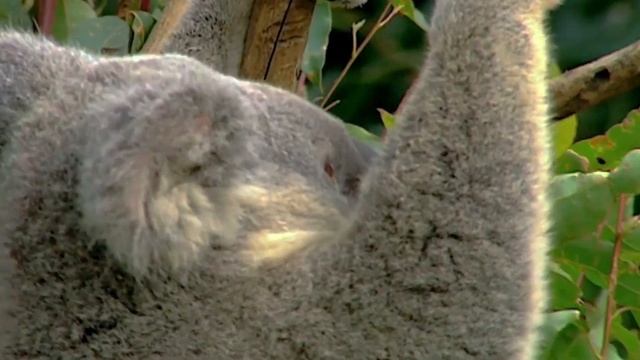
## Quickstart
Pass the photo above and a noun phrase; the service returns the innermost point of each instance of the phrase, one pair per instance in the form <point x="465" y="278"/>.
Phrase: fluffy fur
<point x="210" y="31"/>
<point x="134" y="162"/>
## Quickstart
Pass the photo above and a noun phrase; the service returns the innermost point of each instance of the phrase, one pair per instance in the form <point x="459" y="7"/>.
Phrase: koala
<point x="152" y="207"/>
<point x="38" y="76"/>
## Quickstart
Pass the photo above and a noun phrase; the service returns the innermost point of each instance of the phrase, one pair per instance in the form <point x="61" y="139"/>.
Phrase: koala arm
<point x="449" y="250"/>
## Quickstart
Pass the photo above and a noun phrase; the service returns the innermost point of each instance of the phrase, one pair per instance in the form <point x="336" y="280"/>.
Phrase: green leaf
<point x="595" y="318"/>
<point x="632" y="234"/>
<point x="570" y="162"/>
<point x="630" y="254"/>
<point x="570" y="343"/>
<point x="158" y="4"/>
<point x="408" y="9"/>
<point x="563" y="132"/>
<point x="630" y="257"/>
<point x="141" y="24"/>
<point x="551" y="327"/>
<point x="363" y="135"/>
<point x="591" y="256"/>
<point x="14" y="15"/>
<point x="627" y="338"/>
<point x="388" y="119"/>
<point x="628" y="290"/>
<point x="554" y="70"/>
<point x="69" y="14"/>
<point x="605" y="152"/>
<point x="626" y="177"/>
<point x="567" y="270"/>
<point x="314" y="53"/>
<point x="157" y="14"/>
<point x="581" y="202"/>
<point x="564" y="292"/>
<point x="636" y="315"/>
<point x="104" y="35"/>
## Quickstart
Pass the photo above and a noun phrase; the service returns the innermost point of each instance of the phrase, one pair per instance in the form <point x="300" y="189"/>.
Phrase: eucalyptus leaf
<point x="591" y="256"/>
<point x="69" y="14"/>
<point x="363" y="135"/>
<point x="408" y="9"/>
<point x="105" y="35"/>
<point x="313" y="58"/>
<point x="581" y="203"/>
<point x="570" y="343"/>
<point x="13" y="14"/>
<point x="631" y="236"/>
<point x="564" y="292"/>
<point x="388" y="119"/>
<point x="141" y="24"/>
<point x="628" y="290"/>
<point x="605" y="152"/>
<point x="626" y="177"/>
<point x="569" y="162"/>
<point x="551" y="327"/>
<point x="563" y="133"/>
<point x="628" y="339"/>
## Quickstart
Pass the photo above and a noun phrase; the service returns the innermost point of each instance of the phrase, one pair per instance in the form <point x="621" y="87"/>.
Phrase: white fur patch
<point x="289" y="222"/>
<point x="161" y="228"/>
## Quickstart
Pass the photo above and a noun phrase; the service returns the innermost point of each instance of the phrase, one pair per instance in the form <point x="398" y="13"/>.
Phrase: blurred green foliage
<point x="594" y="272"/>
<point x="581" y="31"/>
<point x="110" y="27"/>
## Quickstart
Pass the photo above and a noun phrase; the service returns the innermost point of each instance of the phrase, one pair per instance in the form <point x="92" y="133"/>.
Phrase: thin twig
<point x="387" y="14"/>
<point x="330" y="106"/>
<point x="613" y="276"/>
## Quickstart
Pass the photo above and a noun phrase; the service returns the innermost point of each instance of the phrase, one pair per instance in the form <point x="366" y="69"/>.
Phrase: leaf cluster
<point x="111" y="27"/>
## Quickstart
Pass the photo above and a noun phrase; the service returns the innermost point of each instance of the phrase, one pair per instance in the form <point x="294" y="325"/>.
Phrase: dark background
<point x="581" y="31"/>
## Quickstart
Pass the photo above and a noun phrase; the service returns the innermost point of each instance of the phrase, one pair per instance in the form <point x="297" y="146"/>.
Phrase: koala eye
<point x="329" y="170"/>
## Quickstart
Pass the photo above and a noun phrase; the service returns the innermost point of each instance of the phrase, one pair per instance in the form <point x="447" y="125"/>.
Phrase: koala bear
<point x="152" y="207"/>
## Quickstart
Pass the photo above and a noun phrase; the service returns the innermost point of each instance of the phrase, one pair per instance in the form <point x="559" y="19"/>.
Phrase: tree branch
<point x="613" y="276"/>
<point x="593" y="83"/>
<point x="275" y="41"/>
<point x="159" y="37"/>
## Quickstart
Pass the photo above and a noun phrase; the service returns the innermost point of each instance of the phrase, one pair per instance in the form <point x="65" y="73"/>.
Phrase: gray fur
<point x="444" y="259"/>
<point x="38" y="75"/>
<point x="210" y="31"/>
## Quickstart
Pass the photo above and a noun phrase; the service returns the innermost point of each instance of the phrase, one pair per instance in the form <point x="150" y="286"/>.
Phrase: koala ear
<point x="153" y="188"/>
<point x="325" y="153"/>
